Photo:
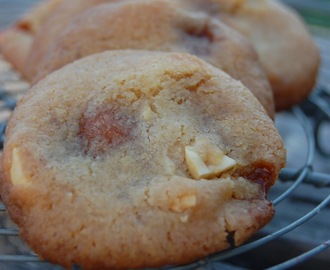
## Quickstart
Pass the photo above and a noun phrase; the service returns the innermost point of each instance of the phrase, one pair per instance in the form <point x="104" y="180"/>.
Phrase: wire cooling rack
<point x="299" y="235"/>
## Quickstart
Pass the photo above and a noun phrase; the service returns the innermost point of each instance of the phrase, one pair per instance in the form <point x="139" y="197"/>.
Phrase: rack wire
<point x="313" y="118"/>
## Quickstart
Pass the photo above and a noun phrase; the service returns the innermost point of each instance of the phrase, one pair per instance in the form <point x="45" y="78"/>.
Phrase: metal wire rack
<point x="308" y="180"/>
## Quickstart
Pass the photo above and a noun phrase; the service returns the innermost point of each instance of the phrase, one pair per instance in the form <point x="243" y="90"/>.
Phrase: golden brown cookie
<point x="285" y="48"/>
<point x="158" y="25"/>
<point x="16" y="40"/>
<point x="15" y="45"/>
<point x="33" y="20"/>
<point x="134" y="159"/>
<point x="57" y="20"/>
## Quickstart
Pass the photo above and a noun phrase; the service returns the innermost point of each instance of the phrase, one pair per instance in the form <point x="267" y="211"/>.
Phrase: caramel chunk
<point x="104" y="128"/>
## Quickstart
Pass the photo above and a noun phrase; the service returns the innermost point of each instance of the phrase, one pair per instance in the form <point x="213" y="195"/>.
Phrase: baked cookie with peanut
<point x="285" y="48"/>
<point x="136" y="159"/>
<point x="157" y="25"/>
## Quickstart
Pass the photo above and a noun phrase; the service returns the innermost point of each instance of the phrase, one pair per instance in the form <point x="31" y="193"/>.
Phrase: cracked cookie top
<point x="133" y="159"/>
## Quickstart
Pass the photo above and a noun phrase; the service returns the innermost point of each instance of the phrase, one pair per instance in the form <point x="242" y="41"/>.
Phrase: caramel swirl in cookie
<point x="103" y="128"/>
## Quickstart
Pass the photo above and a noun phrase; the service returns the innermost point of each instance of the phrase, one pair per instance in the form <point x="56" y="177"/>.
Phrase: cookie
<point x="285" y="48"/>
<point x="16" y="40"/>
<point x="134" y="159"/>
<point x="158" y="25"/>
<point x="15" y="44"/>
<point x="56" y="21"/>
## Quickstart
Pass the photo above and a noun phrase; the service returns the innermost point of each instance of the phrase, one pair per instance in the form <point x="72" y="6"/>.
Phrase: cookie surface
<point x="285" y="48"/>
<point x="163" y="26"/>
<point x="131" y="159"/>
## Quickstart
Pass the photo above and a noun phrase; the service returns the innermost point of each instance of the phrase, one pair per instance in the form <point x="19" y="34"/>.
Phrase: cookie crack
<point x="196" y="86"/>
<point x="231" y="238"/>
<point x="230" y="235"/>
<point x="137" y="92"/>
<point x="148" y="133"/>
<point x="147" y="197"/>
<point x="153" y="108"/>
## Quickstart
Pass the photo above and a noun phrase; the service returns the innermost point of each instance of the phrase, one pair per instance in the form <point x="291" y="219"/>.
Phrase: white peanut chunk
<point x="226" y="164"/>
<point x="184" y="218"/>
<point x="209" y="163"/>
<point x="196" y="165"/>
<point x="16" y="171"/>
<point x="183" y="203"/>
